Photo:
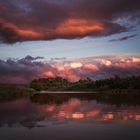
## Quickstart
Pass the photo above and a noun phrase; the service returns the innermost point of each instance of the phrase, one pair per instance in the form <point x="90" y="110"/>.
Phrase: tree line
<point x="58" y="83"/>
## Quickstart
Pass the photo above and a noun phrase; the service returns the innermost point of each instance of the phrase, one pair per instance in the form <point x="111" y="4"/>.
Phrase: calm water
<point x="72" y="119"/>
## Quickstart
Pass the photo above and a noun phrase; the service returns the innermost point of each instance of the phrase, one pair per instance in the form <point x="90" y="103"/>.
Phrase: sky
<point x="73" y="39"/>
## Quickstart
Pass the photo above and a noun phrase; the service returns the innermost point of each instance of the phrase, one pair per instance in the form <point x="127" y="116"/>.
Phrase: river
<point x="72" y="119"/>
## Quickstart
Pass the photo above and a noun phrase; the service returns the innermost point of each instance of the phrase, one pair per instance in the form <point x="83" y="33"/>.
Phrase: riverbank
<point x="13" y="92"/>
<point x="114" y="87"/>
<point x="113" y="91"/>
<point x="115" y="98"/>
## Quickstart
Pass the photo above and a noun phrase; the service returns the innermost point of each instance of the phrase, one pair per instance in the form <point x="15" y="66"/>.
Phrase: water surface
<point x="72" y="119"/>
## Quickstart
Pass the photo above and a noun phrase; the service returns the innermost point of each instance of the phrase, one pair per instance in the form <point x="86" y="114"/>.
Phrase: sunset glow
<point x="79" y="27"/>
<point x="54" y="38"/>
<point x="70" y="69"/>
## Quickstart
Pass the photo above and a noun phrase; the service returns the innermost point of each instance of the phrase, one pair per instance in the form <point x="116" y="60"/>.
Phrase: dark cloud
<point x="54" y="19"/>
<point x="124" y="38"/>
<point x="19" y="71"/>
<point x="30" y="58"/>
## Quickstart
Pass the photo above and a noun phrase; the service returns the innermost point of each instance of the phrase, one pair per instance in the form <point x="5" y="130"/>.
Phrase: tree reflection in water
<point x="66" y="109"/>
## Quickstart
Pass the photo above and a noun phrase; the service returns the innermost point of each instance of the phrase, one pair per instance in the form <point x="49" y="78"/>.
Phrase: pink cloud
<point x="91" y="67"/>
<point x="76" y="65"/>
<point x="105" y="62"/>
<point x="26" y="69"/>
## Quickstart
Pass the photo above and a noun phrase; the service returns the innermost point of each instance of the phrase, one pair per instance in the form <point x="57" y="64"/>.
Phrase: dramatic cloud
<point x="20" y="71"/>
<point x="26" y="69"/>
<point x="124" y="38"/>
<point x="69" y="19"/>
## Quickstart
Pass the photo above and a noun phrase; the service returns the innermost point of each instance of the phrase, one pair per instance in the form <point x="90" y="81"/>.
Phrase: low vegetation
<point x="12" y="92"/>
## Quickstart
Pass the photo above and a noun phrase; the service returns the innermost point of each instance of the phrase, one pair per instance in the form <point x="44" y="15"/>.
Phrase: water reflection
<point x="27" y="114"/>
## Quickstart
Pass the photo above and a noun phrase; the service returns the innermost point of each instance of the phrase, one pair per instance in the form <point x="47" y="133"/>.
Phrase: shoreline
<point x="64" y="92"/>
<point x="113" y="91"/>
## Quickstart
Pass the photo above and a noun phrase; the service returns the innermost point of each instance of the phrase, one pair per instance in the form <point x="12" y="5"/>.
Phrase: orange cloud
<point x="80" y="27"/>
<point x="91" y="67"/>
<point x="28" y="33"/>
<point x="78" y="115"/>
<point x="70" y="28"/>
<point x="46" y="20"/>
<point x="48" y="74"/>
<point x="14" y="32"/>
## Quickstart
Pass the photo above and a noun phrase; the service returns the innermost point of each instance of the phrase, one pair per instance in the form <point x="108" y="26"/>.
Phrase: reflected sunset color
<point x="73" y="118"/>
<point x="69" y="69"/>
<point x="73" y="110"/>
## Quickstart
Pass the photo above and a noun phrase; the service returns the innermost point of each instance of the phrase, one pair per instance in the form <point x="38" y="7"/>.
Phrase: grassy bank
<point x="12" y="92"/>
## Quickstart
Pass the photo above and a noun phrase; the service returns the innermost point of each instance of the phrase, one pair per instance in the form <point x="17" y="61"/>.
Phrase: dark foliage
<point x="49" y="84"/>
<point x="12" y="92"/>
<point x="61" y="84"/>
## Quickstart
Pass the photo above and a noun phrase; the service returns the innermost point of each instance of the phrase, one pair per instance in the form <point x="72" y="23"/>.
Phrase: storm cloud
<point x="24" y="20"/>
